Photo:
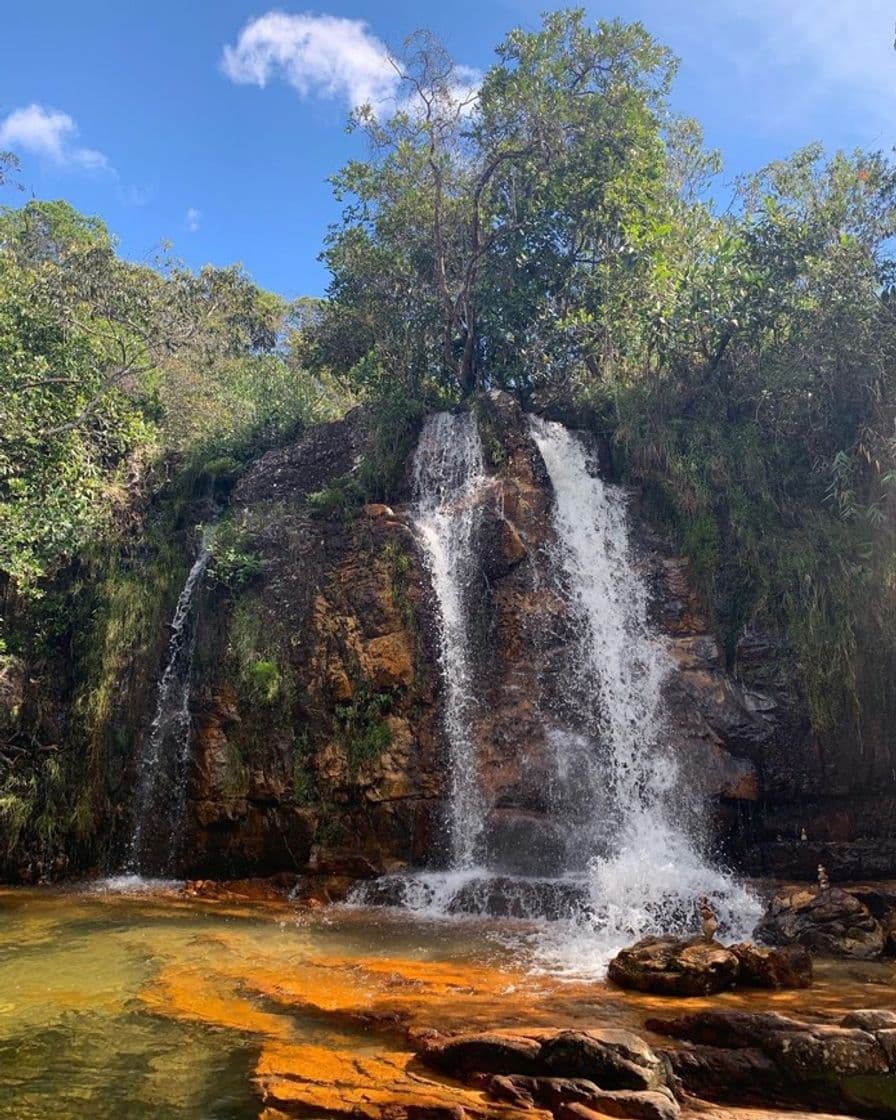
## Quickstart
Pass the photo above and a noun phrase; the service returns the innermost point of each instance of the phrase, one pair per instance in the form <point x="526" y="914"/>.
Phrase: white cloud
<point x="794" y="58"/>
<point x="325" y="56"/>
<point x="850" y="44"/>
<point x="322" y="55"/>
<point x="51" y="134"/>
<point x="192" y="219"/>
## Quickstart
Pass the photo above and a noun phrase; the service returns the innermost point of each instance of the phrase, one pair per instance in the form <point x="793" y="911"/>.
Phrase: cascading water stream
<point x="447" y="474"/>
<point x="160" y="802"/>
<point x="633" y="864"/>
<point x="646" y="869"/>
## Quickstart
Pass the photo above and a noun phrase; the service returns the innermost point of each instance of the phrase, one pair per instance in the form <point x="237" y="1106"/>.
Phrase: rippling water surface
<point x="118" y="1004"/>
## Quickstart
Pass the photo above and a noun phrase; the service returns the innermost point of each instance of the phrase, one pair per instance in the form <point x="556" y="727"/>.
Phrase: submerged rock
<point x="833" y="922"/>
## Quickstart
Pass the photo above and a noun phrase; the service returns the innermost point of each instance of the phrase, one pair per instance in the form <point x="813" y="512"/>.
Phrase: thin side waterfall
<point x="448" y="471"/>
<point x="646" y="868"/>
<point x="160" y="802"/>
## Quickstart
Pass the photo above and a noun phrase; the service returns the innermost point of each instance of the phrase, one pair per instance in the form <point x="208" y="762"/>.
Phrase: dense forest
<point x="558" y="233"/>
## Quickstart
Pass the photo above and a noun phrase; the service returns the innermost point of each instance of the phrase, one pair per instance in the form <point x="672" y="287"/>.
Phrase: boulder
<point x="557" y="1093"/>
<point x="752" y="1058"/>
<point x="628" y="1105"/>
<point x="831" y="922"/>
<point x="613" y="1059"/>
<point x="675" y="967"/>
<point x="739" y="1077"/>
<point x="543" y="1065"/>
<point x="787" y="967"/>
<point x="870" y="1020"/>
<point x="483" y="1053"/>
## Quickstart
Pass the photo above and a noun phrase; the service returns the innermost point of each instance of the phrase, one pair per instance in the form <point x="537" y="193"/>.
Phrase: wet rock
<point x="675" y="967"/>
<point x="551" y="1066"/>
<point x="787" y="967"/>
<point x="844" y="860"/>
<point x="769" y="1059"/>
<point x="628" y="1105"/>
<point x="743" y="1077"/>
<point x="274" y="888"/>
<point x="831" y="922"/>
<point x="524" y="843"/>
<point x="880" y="898"/>
<point x="345" y="862"/>
<point x="612" y="1059"/>
<point x="730" y="1030"/>
<point x="505" y="896"/>
<point x="498" y="896"/>
<point x="322" y="890"/>
<point x="870" y="1020"/>
<point x="483" y="1053"/>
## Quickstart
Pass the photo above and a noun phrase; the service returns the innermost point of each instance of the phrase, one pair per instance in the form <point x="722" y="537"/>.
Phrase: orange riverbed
<point x="166" y="1007"/>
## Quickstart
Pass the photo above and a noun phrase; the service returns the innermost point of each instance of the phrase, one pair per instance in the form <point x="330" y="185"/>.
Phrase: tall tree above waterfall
<point x="484" y="219"/>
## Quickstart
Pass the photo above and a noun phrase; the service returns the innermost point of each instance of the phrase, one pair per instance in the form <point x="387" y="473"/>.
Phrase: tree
<point x="106" y="366"/>
<point x="479" y="225"/>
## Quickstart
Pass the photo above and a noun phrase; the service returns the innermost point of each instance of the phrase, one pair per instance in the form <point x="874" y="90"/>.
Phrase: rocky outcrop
<point x="316" y="700"/>
<point x="788" y="967"/>
<point x="669" y="966"/>
<point x="767" y="1059"/>
<point x="831" y="922"/>
<point x="673" y="966"/>
<point x="570" y="1073"/>
<point x="316" y="719"/>
<point x="613" y="1059"/>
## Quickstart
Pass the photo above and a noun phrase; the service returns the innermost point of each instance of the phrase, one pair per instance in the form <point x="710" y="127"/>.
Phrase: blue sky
<point x="215" y="123"/>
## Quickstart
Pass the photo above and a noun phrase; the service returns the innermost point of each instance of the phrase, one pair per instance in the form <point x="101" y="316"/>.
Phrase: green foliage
<point x="16" y="809"/>
<point x="255" y="656"/>
<point x="767" y="422"/>
<point x="303" y="783"/>
<point x="482" y="247"/>
<point x="557" y="241"/>
<point x="264" y="680"/>
<point x="395" y="419"/>
<point x="340" y="501"/>
<point x="233" y="564"/>
<point x="107" y="368"/>
<point x="365" y="733"/>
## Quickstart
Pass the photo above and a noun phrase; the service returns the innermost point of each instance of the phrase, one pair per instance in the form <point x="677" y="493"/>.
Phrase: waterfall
<point x="645" y="867"/>
<point x="448" y="472"/>
<point x="634" y="859"/>
<point x="160" y="802"/>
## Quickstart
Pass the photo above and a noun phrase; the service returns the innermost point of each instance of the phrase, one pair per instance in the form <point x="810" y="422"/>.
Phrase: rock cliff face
<point x="316" y="709"/>
<point x="317" y="701"/>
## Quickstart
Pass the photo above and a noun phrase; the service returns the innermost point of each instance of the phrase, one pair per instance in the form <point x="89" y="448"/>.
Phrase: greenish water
<point x="80" y="1038"/>
<point x="121" y="1006"/>
<point x="76" y="1040"/>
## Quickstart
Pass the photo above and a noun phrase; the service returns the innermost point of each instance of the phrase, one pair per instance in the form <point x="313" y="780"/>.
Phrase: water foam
<point x="646" y="867"/>
<point x="635" y="864"/>
<point x="448" y="473"/>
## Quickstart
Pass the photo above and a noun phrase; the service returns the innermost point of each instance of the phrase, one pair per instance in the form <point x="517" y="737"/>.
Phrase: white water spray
<point x="448" y="472"/>
<point x="160" y="802"/>
<point x="645" y="870"/>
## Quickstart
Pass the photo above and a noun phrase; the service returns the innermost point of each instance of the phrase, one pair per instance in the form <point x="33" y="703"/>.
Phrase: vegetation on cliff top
<point x="560" y="239"/>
